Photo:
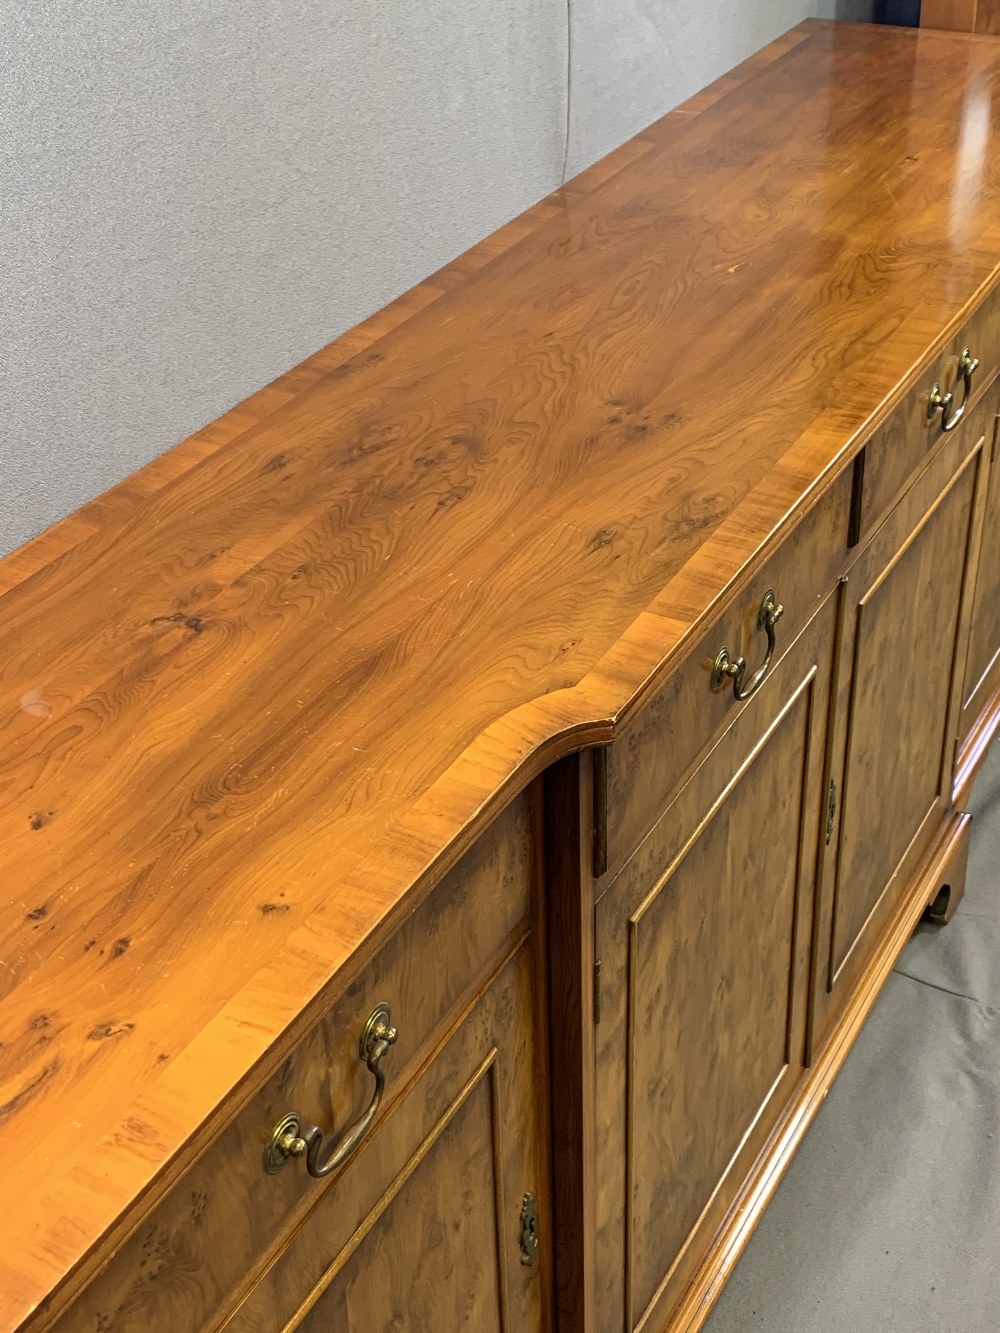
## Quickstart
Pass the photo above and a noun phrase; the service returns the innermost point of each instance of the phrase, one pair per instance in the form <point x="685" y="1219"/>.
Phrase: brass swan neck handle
<point x="725" y="667"/>
<point x="945" y="402"/>
<point x="288" y="1138"/>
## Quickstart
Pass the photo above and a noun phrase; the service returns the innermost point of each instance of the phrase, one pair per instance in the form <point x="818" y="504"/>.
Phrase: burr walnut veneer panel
<point x="170" y="1274"/>
<point x="905" y="619"/>
<point x="704" y="946"/>
<point x="423" y="1229"/>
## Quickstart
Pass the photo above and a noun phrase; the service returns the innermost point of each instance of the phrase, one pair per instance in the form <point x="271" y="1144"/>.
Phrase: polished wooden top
<point x="254" y="699"/>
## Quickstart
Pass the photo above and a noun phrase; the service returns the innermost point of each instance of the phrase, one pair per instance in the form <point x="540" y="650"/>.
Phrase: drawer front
<point x="205" y="1243"/>
<point x="423" y="1228"/>
<point x="648" y="761"/>
<point x="909" y="440"/>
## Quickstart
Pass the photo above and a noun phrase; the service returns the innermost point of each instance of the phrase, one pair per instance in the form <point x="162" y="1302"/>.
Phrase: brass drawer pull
<point x="288" y="1139"/>
<point x="735" y="669"/>
<point x="944" y="402"/>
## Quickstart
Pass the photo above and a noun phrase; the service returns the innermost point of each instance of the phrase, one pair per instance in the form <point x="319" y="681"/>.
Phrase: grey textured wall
<point x="194" y="196"/>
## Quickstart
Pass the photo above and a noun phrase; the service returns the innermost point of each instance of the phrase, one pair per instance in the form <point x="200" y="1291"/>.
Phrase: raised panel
<point x="906" y="623"/>
<point x="711" y="977"/>
<point x="704" y="938"/>
<point x="431" y="1258"/>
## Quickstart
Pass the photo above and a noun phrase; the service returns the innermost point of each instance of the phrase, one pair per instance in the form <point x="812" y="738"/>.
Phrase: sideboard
<point x="459" y="808"/>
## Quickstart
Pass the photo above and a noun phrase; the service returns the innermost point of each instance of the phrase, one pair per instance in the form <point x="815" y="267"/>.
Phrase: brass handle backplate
<point x="726" y="667"/>
<point x="288" y="1139"/>
<point x="945" y="402"/>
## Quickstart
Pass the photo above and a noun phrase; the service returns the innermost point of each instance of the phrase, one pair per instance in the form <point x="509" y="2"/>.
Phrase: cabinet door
<point x="982" y="673"/>
<point x="897" y="693"/>
<point x="704" y="945"/>
<point x="424" y="1229"/>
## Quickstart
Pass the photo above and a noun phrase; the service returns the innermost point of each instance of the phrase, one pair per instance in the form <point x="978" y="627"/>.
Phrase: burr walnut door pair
<point x="739" y="929"/>
<point x="902" y="664"/>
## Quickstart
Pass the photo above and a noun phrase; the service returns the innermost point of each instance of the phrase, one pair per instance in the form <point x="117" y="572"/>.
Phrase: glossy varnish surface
<point x="254" y="698"/>
<point x="962" y="15"/>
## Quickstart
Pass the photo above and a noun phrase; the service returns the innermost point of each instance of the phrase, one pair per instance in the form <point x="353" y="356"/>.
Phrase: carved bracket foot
<point x="951" y="888"/>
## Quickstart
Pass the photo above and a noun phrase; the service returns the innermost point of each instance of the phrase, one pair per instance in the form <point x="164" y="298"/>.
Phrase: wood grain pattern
<point x="422" y="1229"/>
<point x="982" y="666"/>
<point x="653" y="756"/>
<point x="404" y="1273"/>
<point x="905" y="629"/>
<point x="942" y="864"/>
<point x="307" y="658"/>
<point x="907" y="442"/>
<point x="705" y="936"/>
<point x="213" y="1236"/>
<point x="959" y="15"/>
<point x="906" y="605"/>
<point x="979" y="16"/>
<point x="710" y="1027"/>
